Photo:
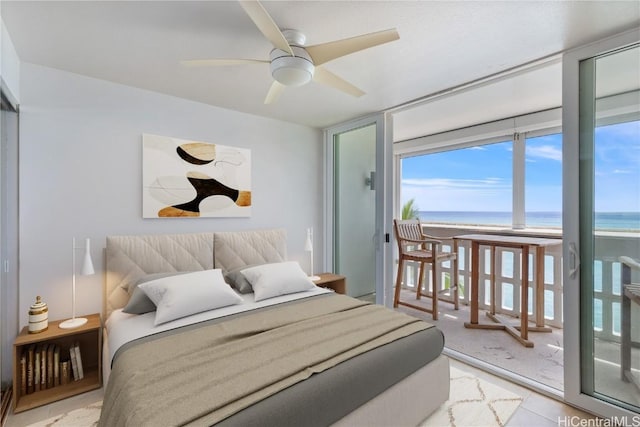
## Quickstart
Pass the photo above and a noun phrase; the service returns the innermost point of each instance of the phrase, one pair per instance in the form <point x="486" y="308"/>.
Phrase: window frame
<point x="515" y="129"/>
<point x="612" y="109"/>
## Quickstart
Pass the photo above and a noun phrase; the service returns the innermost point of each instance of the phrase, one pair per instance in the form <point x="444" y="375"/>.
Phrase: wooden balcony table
<point x="520" y="333"/>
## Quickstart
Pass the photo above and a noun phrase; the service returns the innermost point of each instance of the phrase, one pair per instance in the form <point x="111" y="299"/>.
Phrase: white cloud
<point x="622" y="171"/>
<point x="545" y="151"/>
<point x="459" y="195"/>
<point x="487" y="194"/>
<point x="433" y="183"/>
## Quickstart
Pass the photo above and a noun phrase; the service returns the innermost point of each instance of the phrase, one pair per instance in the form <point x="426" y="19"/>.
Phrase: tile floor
<point x="535" y="411"/>
<point x="544" y="363"/>
<point x="42" y="413"/>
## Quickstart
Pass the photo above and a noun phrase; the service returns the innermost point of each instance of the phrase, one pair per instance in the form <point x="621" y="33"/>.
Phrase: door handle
<point x="574" y="260"/>
<point x="370" y="181"/>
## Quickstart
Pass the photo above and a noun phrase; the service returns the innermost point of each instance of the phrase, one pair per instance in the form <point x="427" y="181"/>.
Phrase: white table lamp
<point x="87" y="270"/>
<point x="308" y="246"/>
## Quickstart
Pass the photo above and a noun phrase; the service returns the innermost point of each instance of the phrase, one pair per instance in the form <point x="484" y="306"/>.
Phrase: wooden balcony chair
<point x="630" y="294"/>
<point x="414" y="245"/>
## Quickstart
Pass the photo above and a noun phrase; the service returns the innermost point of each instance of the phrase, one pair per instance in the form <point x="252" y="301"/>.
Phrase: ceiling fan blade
<point x="217" y="62"/>
<point x="265" y="24"/>
<point x="274" y="93"/>
<point x="325" y="52"/>
<point x="326" y="77"/>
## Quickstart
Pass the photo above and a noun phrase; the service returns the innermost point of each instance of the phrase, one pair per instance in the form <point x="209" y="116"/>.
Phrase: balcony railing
<point x="607" y="276"/>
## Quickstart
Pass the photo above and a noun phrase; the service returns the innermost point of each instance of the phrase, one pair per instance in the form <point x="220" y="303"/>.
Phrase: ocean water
<point x="612" y="221"/>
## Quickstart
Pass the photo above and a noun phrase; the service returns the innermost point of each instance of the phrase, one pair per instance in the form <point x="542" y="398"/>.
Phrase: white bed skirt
<point x="406" y="403"/>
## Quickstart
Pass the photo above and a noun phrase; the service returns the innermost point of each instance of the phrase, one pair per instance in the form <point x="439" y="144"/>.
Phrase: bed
<point x="274" y="356"/>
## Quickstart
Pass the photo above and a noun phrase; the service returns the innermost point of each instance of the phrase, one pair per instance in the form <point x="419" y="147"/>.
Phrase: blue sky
<point x="480" y="178"/>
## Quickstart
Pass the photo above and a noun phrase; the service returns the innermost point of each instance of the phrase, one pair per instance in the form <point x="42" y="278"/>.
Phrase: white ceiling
<point x="535" y="89"/>
<point x="442" y="44"/>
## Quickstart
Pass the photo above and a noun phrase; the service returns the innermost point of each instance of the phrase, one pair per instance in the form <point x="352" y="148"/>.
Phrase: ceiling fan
<point x="294" y="64"/>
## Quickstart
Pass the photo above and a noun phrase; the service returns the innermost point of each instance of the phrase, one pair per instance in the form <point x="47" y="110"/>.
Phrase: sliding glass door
<point x="601" y="122"/>
<point x="358" y="223"/>
<point x="8" y="234"/>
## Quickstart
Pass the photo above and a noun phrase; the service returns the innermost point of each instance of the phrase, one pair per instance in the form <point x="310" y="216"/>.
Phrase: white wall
<point x="9" y="65"/>
<point x="80" y="175"/>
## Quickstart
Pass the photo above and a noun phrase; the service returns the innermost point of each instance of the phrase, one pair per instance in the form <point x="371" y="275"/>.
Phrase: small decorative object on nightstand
<point x="36" y="384"/>
<point x="332" y="281"/>
<point x="38" y="317"/>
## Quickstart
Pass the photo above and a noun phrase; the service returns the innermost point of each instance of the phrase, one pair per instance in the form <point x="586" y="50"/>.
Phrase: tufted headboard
<point x="128" y="258"/>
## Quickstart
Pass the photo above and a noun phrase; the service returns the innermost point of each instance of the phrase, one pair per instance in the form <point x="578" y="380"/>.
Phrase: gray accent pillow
<point x="236" y="279"/>
<point x="139" y="302"/>
<point x="153" y="276"/>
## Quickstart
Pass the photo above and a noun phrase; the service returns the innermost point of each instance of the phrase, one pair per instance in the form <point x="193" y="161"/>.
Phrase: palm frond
<point x="409" y="210"/>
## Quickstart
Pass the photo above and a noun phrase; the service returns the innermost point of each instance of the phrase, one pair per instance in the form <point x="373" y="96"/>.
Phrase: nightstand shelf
<point x="89" y="338"/>
<point x="333" y="281"/>
<point x="43" y="397"/>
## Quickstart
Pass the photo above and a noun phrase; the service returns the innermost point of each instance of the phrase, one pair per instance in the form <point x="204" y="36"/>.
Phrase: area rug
<point x="83" y="417"/>
<point x="472" y="402"/>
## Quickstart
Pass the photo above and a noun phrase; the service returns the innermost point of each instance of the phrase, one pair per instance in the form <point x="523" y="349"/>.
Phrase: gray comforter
<point x="203" y="375"/>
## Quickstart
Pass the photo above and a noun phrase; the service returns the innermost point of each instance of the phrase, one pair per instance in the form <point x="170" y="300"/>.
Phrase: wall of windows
<point x="506" y="173"/>
<point x="479" y="185"/>
<point x="509" y="172"/>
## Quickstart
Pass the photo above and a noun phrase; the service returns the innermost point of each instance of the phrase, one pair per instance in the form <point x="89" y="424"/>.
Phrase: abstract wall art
<point x="195" y="179"/>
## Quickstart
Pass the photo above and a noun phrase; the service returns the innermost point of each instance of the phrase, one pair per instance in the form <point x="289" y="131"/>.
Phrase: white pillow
<point x="187" y="294"/>
<point x="272" y="280"/>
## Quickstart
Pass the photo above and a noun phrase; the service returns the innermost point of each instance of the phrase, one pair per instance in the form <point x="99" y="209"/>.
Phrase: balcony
<point x="544" y="362"/>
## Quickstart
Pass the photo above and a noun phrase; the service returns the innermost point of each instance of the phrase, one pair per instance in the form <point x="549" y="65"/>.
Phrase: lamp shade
<point x="87" y="263"/>
<point x="308" y="244"/>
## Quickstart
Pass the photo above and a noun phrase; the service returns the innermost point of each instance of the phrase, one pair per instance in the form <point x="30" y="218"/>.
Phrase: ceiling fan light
<point x="292" y="70"/>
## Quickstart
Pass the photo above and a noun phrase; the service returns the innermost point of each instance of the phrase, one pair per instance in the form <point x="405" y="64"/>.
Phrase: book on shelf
<point x="64" y="371"/>
<point x="74" y="363"/>
<point x="36" y="367"/>
<point x="79" y="360"/>
<point x="56" y="365"/>
<point x="23" y="373"/>
<point x="50" y="365"/>
<point x="43" y="367"/>
<point x="30" y="361"/>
